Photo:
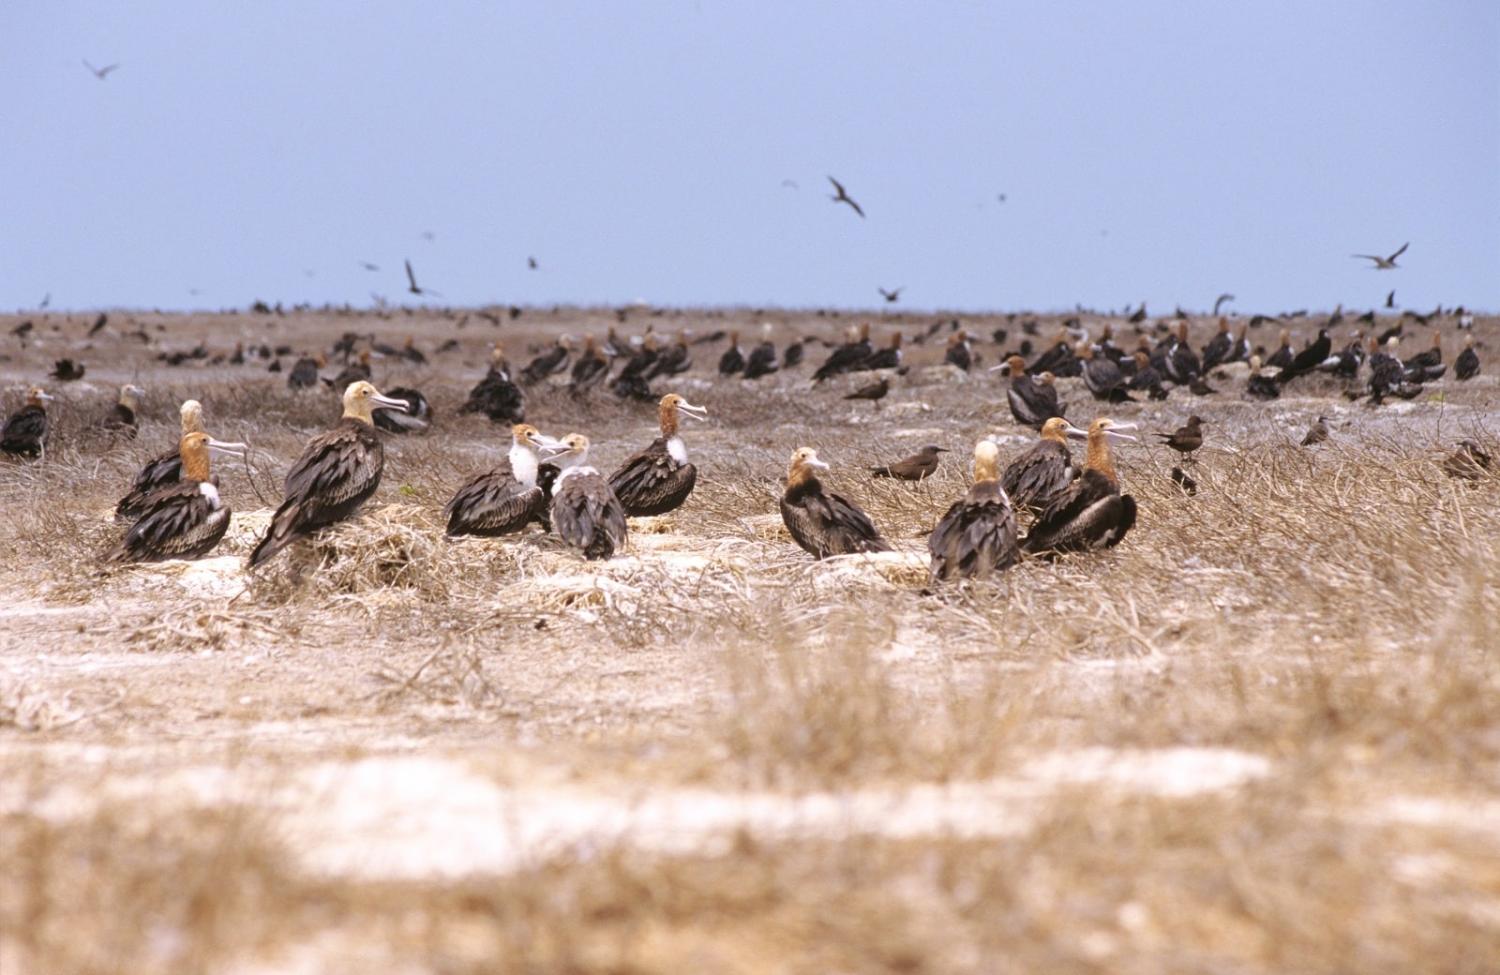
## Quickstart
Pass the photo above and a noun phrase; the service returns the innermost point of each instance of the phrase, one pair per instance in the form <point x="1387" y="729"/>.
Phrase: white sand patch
<point x="1172" y="772"/>
<point x="223" y="575"/>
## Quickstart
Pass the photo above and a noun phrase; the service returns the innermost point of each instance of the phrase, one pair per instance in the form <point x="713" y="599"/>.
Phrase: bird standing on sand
<point x="496" y="396"/>
<point x="123" y="418"/>
<point x="874" y="392"/>
<point x="659" y="478"/>
<point x="840" y="196"/>
<point x="1186" y="438"/>
<point x="919" y="465"/>
<point x="585" y="512"/>
<point x="732" y="361"/>
<point x="977" y="535"/>
<point x="847" y="357"/>
<point x="1466" y="366"/>
<point x="25" y="431"/>
<point x="1033" y="399"/>
<point x="184" y="519"/>
<point x="762" y="361"/>
<point x="1091" y="513"/>
<point x="337" y="472"/>
<point x="1383" y="263"/>
<point x="822" y="522"/>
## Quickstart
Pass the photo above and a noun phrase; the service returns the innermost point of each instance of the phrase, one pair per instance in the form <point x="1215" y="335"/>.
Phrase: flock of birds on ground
<point x="174" y="509"/>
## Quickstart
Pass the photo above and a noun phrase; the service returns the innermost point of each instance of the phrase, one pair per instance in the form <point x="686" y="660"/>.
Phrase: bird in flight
<point x="531" y="263"/>
<point x="1384" y="263"/>
<point x="891" y="296"/>
<point x="100" y="73"/>
<point x="369" y="266"/>
<point x="412" y="282"/>
<point x="842" y="197"/>
<point x="1000" y="198"/>
<point x="1219" y="301"/>
<point x="46" y="300"/>
<point x="789" y="184"/>
<point x="1390" y="299"/>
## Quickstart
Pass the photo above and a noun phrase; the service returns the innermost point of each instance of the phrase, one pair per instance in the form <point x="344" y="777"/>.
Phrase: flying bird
<point x="46" y="300"/>
<point x="412" y="284"/>
<point x="531" y="263"/>
<point x="842" y="197"/>
<point x="1390" y="299"/>
<point x="1384" y="263"/>
<point x="369" y="266"/>
<point x="1226" y="296"/>
<point x="789" y="184"/>
<point x="100" y="73"/>
<point x="891" y="296"/>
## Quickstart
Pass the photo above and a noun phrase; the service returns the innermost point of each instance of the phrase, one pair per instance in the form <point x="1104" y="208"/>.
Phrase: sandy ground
<point x="1259" y="736"/>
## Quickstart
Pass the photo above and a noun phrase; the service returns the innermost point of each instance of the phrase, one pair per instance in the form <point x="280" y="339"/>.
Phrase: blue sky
<point x="1147" y="150"/>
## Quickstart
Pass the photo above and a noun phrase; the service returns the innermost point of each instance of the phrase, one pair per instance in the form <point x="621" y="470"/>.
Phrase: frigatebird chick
<point x="822" y="522"/>
<point x="762" y="360"/>
<point x="1258" y="385"/>
<point x="505" y="498"/>
<point x="659" y="478"/>
<point x="914" y="468"/>
<point x="162" y="469"/>
<point x="1282" y="357"/>
<point x="1033" y="399"/>
<point x="415" y="418"/>
<point x="548" y="363"/>
<point x="1469" y="462"/>
<point x="1102" y="376"/>
<point x="25" y="431"/>
<point x="847" y="357"/>
<point x="1186" y="438"/>
<point x="732" y="362"/>
<point x="673" y="360"/>
<point x="887" y="358"/>
<point x="959" y="353"/>
<point x="1466" y="366"/>
<point x="1043" y="471"/>
<point x="590" y="369"/>
<point x="977" y="535"/>
<point x="1091" y="513"/>
<point x="792" y="357"/>
<point x="124" y="417"/>
<point x="585" y="512"/>
<point x="186" y="519"/>
<point x="336" y="474"/>
<point x="304" y="374"/>
<point x="1427" y="366"/>
<point x="357" y="371"/>
<point x="496" y="396"/>
<point x="1187" y="484"/>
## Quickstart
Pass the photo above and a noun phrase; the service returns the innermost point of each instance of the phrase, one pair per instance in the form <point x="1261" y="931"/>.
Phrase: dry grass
<point x="1324" y="618"/>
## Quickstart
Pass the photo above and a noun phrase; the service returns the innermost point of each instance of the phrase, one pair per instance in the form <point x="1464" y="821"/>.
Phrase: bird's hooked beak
<point x="381" y="402"/>
<point x="45" y="397"/>
<point x="812" y="461"/>
<point x="1116" y="437"/>
<point x="221" y="448"/>
<point x="554" y="448"/>
<point x="1075" y="433"/>
<point x="1003" y="367"/>
<point x="541" y="441"/>
<point x="688" y="409"/>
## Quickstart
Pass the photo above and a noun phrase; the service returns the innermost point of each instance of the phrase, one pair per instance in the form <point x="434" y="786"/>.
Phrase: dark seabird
<point x="762" y="361"/>
<point x="1092" y="513"/>
<point x="337" y="472"/>
<point x="821" y="522"/>
<point x="25" y="431"/>
<point x="659" y="478"/>
<point x="732" y="362"/>
<point x="357" y="371"/>
<point x="1282" y="357"/>
<point x="1466" y="366"/>
<point x="842" y="197"/>
<point x="590" y="368"/>
<point x="161" y="470"/>
<point x="1042" y="472"/>
<point x="1260" y="386"/>
<point x="1033" y="399"/>
<point x="1186" y="438"/>
<point x="886" y="358"/>
<point x="304" y="374"/>
<point x="1469" y="462"/>
<point x="184" y="519"/>
<point x="959" y="353"/>
<point x="1219" y="348"/>
<point x="847" y="357"/>
<point x="1187" y="484"/>
<point x="1317" y="433"/>
<point x="1384" y="263"/>
<point x="505" y="498"/>
<point x="977" y="535"/>
<point x="124" y="417"/>
<point x="873" y="392"/>
<point x="1102" y="376"/>
<point x="585" y="513"/>
<point x="496" y="396"/>
<point x="919" y="465"/>
<point x="67" y="371"/>
<point x="548" y="363"/>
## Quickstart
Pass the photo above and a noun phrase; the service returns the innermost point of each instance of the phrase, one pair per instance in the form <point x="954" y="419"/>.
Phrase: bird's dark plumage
<point x="416" y="418"/>
<point x="822" y="522"/>
<point x="976" y="537"/>
<point x="919" y="465"/>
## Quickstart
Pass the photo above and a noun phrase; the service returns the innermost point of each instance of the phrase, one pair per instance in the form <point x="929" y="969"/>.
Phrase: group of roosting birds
<point x="175" y="511"/>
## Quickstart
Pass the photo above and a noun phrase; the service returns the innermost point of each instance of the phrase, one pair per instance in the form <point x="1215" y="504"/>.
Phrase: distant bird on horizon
<point x="100" y="73"/>
<point x="412" y="284"/>
<point x="1384" y="263"/>
<point x="46" y="300"/>
<point x="842" y="197"/>
<point x="892" y="296"/>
